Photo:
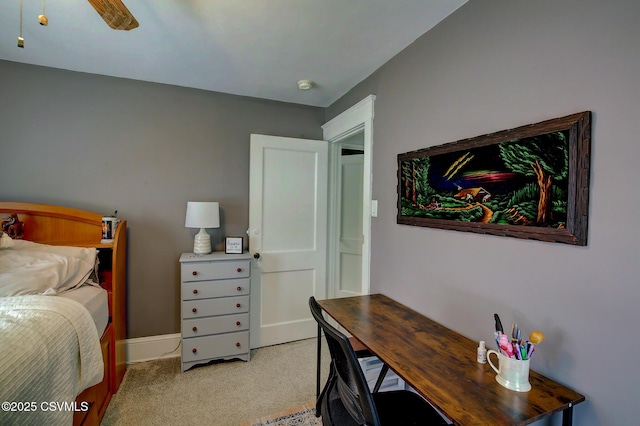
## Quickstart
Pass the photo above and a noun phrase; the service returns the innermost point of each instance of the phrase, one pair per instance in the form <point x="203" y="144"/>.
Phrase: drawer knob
<point x="194" y="350"/>
<point x="194" y="273"/>
<point x="238" y="323"/>
<point x="238" y="344"/>
<point x="239" y="269"/>
<point x="237" y="305"/>
<point x="239" y="288"/>
<point x="194" y="310"/>
<point x="195" y="329"/>
<point x="195" y="291"/>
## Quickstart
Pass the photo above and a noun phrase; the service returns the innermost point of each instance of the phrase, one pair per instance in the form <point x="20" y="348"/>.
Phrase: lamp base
<point x="202" y="242"/>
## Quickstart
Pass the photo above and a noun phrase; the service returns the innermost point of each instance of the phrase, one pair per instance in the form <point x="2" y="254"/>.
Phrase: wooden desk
<point x="440" y="364"/>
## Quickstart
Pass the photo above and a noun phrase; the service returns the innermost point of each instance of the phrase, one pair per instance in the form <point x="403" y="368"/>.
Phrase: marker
<point x="505" y="346"/>
<point x="498" y="323"/>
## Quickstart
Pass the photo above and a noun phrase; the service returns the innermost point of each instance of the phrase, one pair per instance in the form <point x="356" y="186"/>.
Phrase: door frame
<point x="358" y="118"/>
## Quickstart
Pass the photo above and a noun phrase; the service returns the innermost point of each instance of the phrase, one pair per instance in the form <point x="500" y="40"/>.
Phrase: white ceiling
<point x="257" y="48"/>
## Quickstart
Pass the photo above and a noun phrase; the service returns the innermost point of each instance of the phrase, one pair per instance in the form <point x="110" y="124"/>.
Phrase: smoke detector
<point x="305" y="84"/>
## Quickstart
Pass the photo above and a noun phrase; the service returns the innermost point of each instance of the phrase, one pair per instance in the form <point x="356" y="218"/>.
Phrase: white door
<point x="287" y="235"/>
<point x="350" y="240"/>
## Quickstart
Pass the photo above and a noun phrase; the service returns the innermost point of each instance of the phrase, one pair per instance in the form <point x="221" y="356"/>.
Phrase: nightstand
<point x="215" y="291"/>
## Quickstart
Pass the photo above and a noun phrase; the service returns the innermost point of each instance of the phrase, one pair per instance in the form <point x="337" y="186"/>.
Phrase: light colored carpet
<point x="276" y="379"/>
<point x="299" y="416"/>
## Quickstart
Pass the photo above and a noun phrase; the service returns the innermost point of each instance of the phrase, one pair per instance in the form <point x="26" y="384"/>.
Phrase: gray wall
<point x="499" y="64"/>
<point x="103" y="144"/>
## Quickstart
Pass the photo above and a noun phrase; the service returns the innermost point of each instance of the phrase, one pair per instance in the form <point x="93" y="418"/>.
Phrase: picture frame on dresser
<point x="233" y="245"/>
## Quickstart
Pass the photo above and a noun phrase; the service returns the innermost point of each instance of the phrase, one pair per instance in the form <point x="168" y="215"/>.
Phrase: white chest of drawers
<point x="215" y="292"/>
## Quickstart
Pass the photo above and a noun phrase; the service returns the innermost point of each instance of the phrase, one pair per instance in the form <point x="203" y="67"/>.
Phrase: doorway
<point x="348" y="251"/>
<point x="297" y="251"/>
<point x="348" y="133"/>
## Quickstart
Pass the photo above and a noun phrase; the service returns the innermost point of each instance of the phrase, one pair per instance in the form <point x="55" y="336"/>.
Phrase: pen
<point x="514" y="332"/>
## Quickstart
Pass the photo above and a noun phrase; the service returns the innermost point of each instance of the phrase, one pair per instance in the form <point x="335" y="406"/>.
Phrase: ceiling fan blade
<point x="115" y="14"/>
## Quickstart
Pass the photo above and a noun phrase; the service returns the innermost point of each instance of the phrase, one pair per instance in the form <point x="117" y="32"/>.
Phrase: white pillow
<point x="5" y="240"/>
<point x="32" y="268"/>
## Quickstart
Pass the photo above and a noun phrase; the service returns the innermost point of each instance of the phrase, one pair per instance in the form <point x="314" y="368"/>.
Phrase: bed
<point x="63" y="345"/>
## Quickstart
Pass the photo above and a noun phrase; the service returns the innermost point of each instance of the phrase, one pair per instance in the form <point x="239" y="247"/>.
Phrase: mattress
<point x="96" y="300"/>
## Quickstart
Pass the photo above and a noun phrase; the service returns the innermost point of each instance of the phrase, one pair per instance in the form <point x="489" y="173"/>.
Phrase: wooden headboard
<point x="55" y="225"/>
<point x="64" y="226"/>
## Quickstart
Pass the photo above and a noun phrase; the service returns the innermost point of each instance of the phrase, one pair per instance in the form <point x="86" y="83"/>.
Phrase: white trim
<point x="356" y="119"/>
<point x="350" y="121"/>
<point x="149" y="348"/>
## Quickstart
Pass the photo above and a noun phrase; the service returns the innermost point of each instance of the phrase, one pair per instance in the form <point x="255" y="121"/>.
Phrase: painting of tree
<point x="544" y="157"/>
<point x="529" y="182"/>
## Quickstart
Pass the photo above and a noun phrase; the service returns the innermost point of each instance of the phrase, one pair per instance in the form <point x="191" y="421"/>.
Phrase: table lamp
<point x="202" y="214"/>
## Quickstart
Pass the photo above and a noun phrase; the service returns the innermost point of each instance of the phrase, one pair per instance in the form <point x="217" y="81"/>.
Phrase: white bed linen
<point x="33" y="268"/>
<point x="50" y="352"/>
<point x="96" y="300"/>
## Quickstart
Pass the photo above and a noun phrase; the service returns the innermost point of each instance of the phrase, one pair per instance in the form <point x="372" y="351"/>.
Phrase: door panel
<point x="291" y="289"/>
<point x="286" y="225"/>
<point x="351" y="231"/>
<point x="287" y="228"/>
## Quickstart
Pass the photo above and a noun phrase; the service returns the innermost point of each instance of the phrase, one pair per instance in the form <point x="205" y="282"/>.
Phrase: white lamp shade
<point x="202" y="214"/>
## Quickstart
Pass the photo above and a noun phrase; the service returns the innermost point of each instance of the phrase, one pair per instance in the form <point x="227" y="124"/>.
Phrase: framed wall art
<point x="530" y="182"/>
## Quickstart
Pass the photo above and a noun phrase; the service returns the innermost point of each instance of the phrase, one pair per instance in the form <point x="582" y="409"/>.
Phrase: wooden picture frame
<point x="233" y="245"/>
<point x="530" y="182"/>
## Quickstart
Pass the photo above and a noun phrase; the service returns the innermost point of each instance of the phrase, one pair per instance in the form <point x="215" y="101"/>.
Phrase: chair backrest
<point x="351" y="384"/>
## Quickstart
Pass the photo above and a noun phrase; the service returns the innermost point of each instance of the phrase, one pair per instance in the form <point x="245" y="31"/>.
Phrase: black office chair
<point x="361" y="352"/>
<point x="346" y="399"/>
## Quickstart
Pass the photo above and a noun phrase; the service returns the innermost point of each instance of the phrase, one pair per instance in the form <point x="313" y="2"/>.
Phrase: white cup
<point x="109" y="225"/>
<point x="512" y="373"/>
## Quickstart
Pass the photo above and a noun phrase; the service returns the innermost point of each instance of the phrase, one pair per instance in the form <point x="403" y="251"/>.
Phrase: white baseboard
<point x="149" y="348"/>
